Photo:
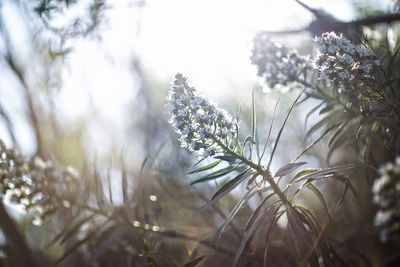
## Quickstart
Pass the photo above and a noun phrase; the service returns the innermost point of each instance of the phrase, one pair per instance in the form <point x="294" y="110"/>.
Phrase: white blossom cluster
<point x="198" y="120"/>
<point x="35" y="184"/>
<point x="348" y="65"/>
<point x="276" y="63"/>
<point x="386" y="195"/>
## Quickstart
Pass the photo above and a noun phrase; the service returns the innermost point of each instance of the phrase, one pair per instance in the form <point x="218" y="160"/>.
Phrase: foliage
<point x="116" y="214"/>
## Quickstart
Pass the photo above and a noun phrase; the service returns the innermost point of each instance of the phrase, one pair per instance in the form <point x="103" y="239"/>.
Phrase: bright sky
<point x="207" y="40"/>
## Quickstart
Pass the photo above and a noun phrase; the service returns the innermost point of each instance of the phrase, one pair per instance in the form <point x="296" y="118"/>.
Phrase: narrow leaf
<point x="288" y="168"/>
<point x="247" y="235"/>
<point x="226" y="158"/>
<point x="320" y="197"/>
<point x="333" y="115"/>
<point x="228" y="187"/>
<point x="252" y="179"/>
<point x="341" y="199"/>
<point x="149" y="257"/>
<point x="301" y="174"/>
<point x="253" y="117"/>
<point x="216" y="174"/>
<point x="269" y="133"/>
<point x="68" y="231"/>
<point x="239" y="205"/>
<point x="315" y="142"/>
<point x="312" y="111"/>
<point x="195" y="261"/>
<point x="259" y="209"/>
<point x="281" y="130"/>
<point x="301" y="234"/>
<point x="323" y="172"/>
<point x="268" y="236"/>
<point x="81" y="242"/>
<point x="207" y="167"/>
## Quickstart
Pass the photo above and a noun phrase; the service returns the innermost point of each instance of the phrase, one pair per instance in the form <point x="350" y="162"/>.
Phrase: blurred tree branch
<point x="9" y="59"/>
<point x="325" y="22"/>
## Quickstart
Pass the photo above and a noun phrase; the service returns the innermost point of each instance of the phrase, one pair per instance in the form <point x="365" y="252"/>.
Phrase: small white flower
<point x="333" y="49"/>
<point x="171" y="108"/>
<point x="183" y="112"/>
<point x="366" y="68"/>
<point x="186" y="130"/>
<point x="382" y="217"/>
<point x="348" y="59"/>
<point x="380" y="183"/>
<point x="344" y="75"/>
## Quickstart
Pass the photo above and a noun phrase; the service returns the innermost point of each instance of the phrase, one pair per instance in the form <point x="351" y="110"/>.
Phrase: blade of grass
<point x="216" y="174"/>
<point x="225" y="189"/>
<point x="205" y="168"/>
<point x="288" y="168"/>
<point x="269" y="133"/>
<point x="281" y="130"/>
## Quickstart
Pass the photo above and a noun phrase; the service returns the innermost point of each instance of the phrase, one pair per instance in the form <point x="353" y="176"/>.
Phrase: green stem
<point x="266" y="174"/>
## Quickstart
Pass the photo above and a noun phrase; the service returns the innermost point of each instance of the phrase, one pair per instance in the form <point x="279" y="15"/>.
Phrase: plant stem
<point x="266" y="174"/>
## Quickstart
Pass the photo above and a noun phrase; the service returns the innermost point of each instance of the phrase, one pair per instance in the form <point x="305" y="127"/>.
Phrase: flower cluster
<point x="386" y="192"/>
<point x="35" y="184"/>
<point x="202" y="125"/>
<point x="348" y="65"/>
<point x="276" y="63"/>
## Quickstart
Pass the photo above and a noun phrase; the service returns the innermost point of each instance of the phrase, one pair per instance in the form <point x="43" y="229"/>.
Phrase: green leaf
<point x="340" y="136"/>
<point x="228" y="220"/>
<point x="253" y="116"/>
<point x="216" y="174"/>
<point x="337" y="132"/>
<point x="311" y="218"/>
<point x="225" y="189"/>
<point x="348" y="185"/>
<point x="326" y="109"/>
<point x="326" y="171"/>
<point x="302" y="173"/>
<point x="252" y="179"/>
<point x="320" y="197"/>
<point x="315" y="142"/>
<point x="69" y="231"/>
<point x="89" y="236"/>
<point x="281" y="130"/>
<point x="312" y="111"/>
<point x="229" y="186"/>
<point x="195" y="261"/>
<point x="149" y="257"/>
<point x="341" y="199"/>
<point x="288" y="168"/>
<point x="302" y="236"/>
<point x="259" y="209"/>
<point x="207" y="167"/>
<point x="226" y="158"/>
<point x="269" y="133"/>
<point x="268" y="235"/>
<point x="247" y="235"/>
<point x="333" y="115"/>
